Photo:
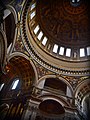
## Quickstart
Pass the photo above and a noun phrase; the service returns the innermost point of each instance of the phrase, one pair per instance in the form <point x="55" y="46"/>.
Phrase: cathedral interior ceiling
<point x="68" y="27"/>
<point x="60" y="29"/>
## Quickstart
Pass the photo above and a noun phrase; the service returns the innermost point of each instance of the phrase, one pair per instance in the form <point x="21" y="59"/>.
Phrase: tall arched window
<point x="15" y="84"/>
<point x="1" y="86"/>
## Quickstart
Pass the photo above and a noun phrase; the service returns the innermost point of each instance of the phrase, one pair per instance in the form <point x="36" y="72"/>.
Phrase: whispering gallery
<point x="44" y="60"/>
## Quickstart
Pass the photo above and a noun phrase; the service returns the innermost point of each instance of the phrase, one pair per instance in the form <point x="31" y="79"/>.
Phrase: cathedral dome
<point x="58" y="32"/>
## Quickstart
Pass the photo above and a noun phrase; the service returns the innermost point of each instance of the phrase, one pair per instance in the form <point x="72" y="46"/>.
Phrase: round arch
<point x="81" y="91"/>
<point x="81" y="85"/>
<point x="51" y="107"/>
<point x="87" y="95"/>
<point x="26" y="57"/>
<point x="60" y="100"/>
<point x="60" y="78"/>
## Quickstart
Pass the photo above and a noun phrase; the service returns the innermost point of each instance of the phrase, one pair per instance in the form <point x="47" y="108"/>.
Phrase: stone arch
<point x="42" y="98"/>
<point x="87" y="95"/>
<point x="14" y="14"/>
<point x="27" y="58"/>
<point x="54" y="76"/>
<point x="56" y="98"/>
<point x="19" y="66"/>
<point x="81" y="91"/>
<point x="81" y="85"/>
<point x="51" y="108"/>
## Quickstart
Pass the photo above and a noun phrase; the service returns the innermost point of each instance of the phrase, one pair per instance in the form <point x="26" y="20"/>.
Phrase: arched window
<point x="55" y="48"/>
<point x="82" y="52"/>
<point x="36" y="29"/>
<point x="15" y="84"/>
<point x="44" y="41"/>
<point x="1" y="86"/>
<point x="61" y="51"/>
<point x="68" y="52"/>
<point x="40" y="35"/>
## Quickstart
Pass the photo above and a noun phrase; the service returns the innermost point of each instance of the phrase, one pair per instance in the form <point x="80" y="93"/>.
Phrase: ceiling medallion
<point x="75" y="3"/>
<point x="75" y="7"/>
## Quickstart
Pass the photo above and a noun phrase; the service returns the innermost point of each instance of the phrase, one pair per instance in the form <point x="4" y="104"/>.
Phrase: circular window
<point x="75" y="3"/>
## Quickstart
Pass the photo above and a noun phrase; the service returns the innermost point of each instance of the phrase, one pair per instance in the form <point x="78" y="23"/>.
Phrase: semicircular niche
<point x="51" y="108"/>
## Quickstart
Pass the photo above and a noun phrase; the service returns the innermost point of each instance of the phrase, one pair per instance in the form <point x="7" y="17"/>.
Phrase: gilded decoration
<point x="42" y="71"/>
<point x="42" y="19"/>
<point x="75" y="80"/>
<point x="67" y="24"/>
<point x="19" y="45"/>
